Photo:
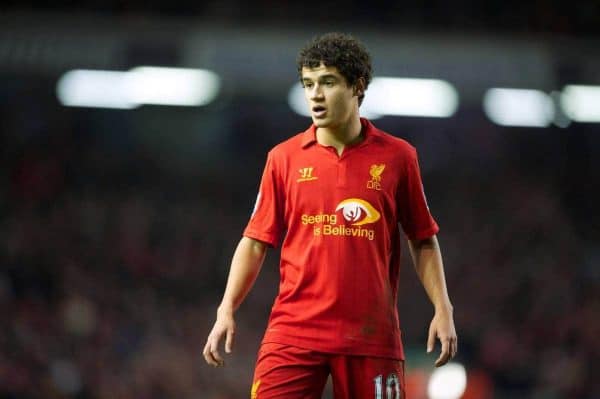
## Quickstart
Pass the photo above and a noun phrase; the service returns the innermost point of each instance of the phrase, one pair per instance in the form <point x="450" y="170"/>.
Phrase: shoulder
<point x="396" y="145"/>
<point x="279" y="156"/>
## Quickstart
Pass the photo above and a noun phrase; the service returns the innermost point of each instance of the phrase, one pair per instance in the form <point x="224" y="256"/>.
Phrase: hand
<point x="442" y="327"/>
<point x="224" y="326"/>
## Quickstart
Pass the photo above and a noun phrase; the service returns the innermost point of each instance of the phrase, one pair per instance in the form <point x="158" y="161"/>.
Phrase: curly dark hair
<point x="339" y="50"/>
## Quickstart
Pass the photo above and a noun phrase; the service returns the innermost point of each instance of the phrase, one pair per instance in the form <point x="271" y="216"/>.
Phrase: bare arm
<point x="245" y="265"/>
<point x="427" y="259"/>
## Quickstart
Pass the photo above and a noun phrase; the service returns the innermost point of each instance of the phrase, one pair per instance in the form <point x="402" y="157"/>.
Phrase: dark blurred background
<point x="117" y="225"/>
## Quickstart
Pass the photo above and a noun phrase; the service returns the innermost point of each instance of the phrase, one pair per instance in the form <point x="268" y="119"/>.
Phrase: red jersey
<point x="340" y="257"/>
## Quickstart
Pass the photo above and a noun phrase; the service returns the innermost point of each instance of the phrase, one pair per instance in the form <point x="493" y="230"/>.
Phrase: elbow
<point x="429" y="242"/>
<point x="257" y="247"/>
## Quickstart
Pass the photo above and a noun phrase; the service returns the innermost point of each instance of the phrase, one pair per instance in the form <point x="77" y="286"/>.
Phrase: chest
<point x="354" y="184"/>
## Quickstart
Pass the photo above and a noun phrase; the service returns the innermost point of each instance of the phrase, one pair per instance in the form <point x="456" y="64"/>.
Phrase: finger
<point x="208" y="356"/>
<point x="430" y="340"/>
<point x="445" y="354"/>
<point x="211" y="353"/>
<point x="454" y="346"/>
<point x="229" y="340"/>
<point x="214" y="351"/>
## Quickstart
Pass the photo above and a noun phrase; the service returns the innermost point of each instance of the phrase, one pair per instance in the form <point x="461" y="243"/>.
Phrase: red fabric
<point x="341" y="254"/>
<point x="284" y="371"/>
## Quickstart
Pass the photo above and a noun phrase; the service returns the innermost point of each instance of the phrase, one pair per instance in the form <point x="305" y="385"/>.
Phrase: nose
<point x="315" y="93"/>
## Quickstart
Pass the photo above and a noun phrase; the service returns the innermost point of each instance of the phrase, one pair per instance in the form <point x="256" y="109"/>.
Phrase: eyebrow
<point x="322" y="77"/>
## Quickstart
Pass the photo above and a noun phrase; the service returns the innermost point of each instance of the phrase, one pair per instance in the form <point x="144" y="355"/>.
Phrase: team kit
<point x="338" y="218"/>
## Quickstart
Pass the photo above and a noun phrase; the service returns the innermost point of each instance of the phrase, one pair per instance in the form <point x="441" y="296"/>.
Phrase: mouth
<point x="319" y="111"/>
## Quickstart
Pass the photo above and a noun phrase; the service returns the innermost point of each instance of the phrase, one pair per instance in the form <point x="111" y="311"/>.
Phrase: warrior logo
<point x="306" y="174"/>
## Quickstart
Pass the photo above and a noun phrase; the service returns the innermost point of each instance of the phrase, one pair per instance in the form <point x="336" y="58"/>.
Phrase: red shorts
<point x="289" y="372"/>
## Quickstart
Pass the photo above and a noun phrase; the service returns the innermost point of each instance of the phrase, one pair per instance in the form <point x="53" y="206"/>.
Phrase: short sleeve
<point x="266" y="222"/>
<point x="413" y="211"/>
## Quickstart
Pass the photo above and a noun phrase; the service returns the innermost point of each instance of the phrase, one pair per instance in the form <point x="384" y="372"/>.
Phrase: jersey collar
<point x="309" y="137"/>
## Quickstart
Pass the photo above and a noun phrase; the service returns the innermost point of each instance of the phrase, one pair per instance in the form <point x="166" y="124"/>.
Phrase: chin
<point x="321" y="122"/>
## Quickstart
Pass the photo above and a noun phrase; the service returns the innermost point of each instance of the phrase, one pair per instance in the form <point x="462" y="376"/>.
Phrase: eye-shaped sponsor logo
<point x="254" y="390"/>
<point x="358" y="211"/>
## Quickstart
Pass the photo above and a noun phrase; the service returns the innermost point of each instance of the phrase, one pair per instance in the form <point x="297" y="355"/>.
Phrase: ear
<point x="360" y="87"/>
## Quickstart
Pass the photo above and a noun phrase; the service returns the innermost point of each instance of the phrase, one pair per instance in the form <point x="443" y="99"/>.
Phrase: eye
<point x="308" y="85"/>
<point x="330" y="83"/>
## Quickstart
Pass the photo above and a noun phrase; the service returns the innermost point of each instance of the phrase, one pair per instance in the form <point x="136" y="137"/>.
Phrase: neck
<point x="340" y="136"/>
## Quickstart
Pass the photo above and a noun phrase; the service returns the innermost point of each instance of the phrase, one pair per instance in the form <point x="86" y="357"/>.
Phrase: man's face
<point x="331" y="101"/>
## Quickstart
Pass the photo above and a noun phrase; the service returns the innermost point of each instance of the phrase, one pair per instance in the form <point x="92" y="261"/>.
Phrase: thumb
<point x="229" y="340"/>
<point x="431" y="339"/>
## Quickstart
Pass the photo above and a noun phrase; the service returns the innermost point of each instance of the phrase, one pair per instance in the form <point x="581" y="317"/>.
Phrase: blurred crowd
<point x="112" y="265"/>
<point x="540" y="16"/>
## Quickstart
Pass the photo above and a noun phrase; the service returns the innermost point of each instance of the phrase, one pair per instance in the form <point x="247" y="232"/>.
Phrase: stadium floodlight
<point x="297" y="101"/>
<point x="139" y="86"/>
<point x="396" y="96"/>
<point x="447" y="382"/>
<point x="94" y="88"/>
<point x="172" y="86"/>
<point x="581" y="103"/>
<point x="411" y="97"/>
<point x="518" y="107"/>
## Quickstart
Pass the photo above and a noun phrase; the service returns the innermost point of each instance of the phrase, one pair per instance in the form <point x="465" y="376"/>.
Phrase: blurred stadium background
<point x="118" y="219"/>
